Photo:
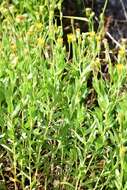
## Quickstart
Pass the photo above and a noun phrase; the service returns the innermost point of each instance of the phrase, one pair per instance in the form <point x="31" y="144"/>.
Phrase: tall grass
<point x="62" y="121"/>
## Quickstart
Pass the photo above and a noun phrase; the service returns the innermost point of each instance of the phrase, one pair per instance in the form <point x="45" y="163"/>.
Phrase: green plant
<point x="62" y="122"/>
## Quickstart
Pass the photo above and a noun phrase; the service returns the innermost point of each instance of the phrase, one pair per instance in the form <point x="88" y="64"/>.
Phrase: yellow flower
<point x="122" y="150"/>
<point x="71" y="38"/>
<point x="92" y="34"/>
<point x="98" y="38"/>
<point x="60" y="41"/>
<point x="122" y="51"/>
<point x="38" y="25"/>
<point x="41" y="8"/>
<point x="40" y="41"/>
<point x="13" y="47"/>
<point x="119" y="67"/>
